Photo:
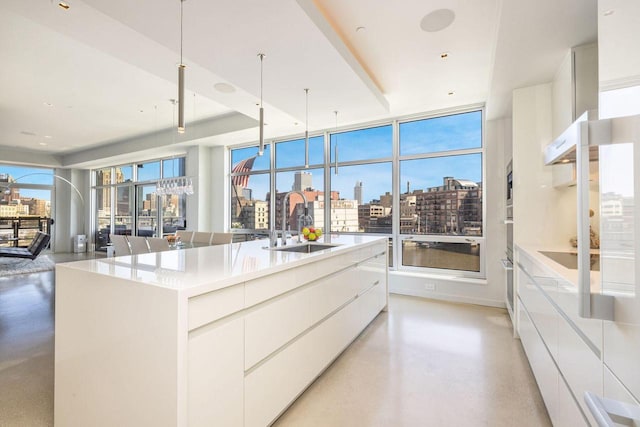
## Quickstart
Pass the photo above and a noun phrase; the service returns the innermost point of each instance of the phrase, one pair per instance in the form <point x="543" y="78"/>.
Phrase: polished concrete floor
<point x="424" y="363"/>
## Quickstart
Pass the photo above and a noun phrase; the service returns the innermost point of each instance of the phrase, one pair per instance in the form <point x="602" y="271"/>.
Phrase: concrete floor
<point x="424" y="363"/>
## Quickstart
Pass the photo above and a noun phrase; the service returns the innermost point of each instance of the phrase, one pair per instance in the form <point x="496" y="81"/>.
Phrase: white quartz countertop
<point x="209" y="268"/>
<point x="568" y="274"/>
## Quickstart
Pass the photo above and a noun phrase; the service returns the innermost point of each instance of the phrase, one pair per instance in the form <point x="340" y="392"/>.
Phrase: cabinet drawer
<point x="613" y="389"/>
<point x="216" y="375"/>
<point x="372" y="302"/>
<point x="267" y="287"/>
<point x="276" y="323"/>
<point x="541" y="363"/>
<point x="569" y="411"/>
<point x="275" y="384"/>
<point x="543" y="315"/>
<point x="567" y="300"/>
<point x="372" y="271"/>
<point x="580" y="366"/>
<point x="212" y="306"/>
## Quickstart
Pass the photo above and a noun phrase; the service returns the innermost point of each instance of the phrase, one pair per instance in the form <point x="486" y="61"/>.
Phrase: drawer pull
<point x="603" y="408"/>
<point x="506" y="264"/>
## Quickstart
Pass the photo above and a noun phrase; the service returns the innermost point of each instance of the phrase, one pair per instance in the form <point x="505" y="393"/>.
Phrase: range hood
<point x="563" y="149"/>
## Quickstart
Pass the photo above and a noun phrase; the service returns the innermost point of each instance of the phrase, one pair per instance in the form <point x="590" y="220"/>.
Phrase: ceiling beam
<point x="321" y="21"/>
<point x="165" y="139"/>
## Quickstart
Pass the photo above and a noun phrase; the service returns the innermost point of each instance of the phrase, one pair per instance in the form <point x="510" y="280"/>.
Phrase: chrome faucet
<point x="284" y="216"/>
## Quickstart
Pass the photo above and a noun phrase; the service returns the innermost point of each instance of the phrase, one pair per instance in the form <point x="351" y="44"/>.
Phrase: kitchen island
<point x="224" y="335"/>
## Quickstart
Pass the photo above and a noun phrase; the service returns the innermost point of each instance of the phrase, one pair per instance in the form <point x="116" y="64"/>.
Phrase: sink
<point x="305" y="248"/>
<point x="570" y="259"/>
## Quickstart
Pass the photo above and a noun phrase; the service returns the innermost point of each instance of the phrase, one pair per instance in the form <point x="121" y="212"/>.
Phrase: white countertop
<point x="569" y="275"/>
<point x="213" y="267"/>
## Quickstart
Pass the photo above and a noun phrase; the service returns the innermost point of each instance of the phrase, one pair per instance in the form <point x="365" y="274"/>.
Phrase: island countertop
<point x="197" y="270"/>
<point x="224" y="335"/>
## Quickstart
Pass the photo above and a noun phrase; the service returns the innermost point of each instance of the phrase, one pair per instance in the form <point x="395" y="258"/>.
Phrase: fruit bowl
<point x="311" y="234"/>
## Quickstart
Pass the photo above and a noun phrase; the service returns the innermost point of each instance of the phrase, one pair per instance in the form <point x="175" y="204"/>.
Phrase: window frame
<point x="133" y="184"/>
<point x="395" y="236"/>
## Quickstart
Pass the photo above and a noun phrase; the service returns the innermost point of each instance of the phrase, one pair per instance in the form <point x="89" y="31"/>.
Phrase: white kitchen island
<point x="224" y="335"/>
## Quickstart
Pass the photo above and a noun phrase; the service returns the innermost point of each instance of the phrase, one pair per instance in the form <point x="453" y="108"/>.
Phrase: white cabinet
<point x="134" y="353"/>
<point x="215" y="374"/>
<point x="273" y="325"/>
<point x="291" y="339"/>
<point x="564" y="358"/>
<point x="541" y="362"/>
<point x="574" y="89"/>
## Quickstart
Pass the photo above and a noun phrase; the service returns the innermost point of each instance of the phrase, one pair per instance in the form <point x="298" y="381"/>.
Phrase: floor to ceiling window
<point x="441" y="215"/>
<point x="417" y="180"/>
<point x="138" y="209"/>
<point x="250" y="189"/>
<point x="291" y="175"/>
<point x="25" y="203"/>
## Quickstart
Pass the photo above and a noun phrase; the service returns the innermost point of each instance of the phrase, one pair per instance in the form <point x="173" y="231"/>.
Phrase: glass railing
<point x="20" y="231"/>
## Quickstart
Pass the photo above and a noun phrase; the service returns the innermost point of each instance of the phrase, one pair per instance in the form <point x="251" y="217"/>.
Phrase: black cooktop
<point x="570" y="259"/>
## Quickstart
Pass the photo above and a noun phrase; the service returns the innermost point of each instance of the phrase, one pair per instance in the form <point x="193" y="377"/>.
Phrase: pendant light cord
<point x="181" y="3"/>
<point x="261" y="55"/>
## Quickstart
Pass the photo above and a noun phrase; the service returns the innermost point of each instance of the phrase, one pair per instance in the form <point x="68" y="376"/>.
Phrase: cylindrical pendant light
<point x="336" y="147"/>
<point x="261" y="147"/>
<point x="181" y="67"/>
<point x="306" y="131"/>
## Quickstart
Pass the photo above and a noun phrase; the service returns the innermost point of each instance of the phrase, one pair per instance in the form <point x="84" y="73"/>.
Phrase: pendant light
<point x="181" y="68"/>
<point x="306" y="132"/>
<point x="261" y="147"/>
<point x="336" y="147"/>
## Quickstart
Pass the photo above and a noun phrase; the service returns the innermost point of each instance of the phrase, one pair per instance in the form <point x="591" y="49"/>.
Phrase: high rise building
<point x="302" y="181"/>
<point x="357" y="192"/>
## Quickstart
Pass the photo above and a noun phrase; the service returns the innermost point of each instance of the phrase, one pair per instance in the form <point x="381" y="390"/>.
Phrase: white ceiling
<point x="108" y="67"/>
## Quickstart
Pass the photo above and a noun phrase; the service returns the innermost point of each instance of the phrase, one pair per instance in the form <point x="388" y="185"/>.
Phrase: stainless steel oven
<point x="508" y="262"/>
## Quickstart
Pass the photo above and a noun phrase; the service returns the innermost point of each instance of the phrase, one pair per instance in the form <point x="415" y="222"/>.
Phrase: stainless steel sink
<point x="306" y="248"/>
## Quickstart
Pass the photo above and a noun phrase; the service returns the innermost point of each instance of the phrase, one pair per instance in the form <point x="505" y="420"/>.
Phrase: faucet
<point x="284" y="215"/>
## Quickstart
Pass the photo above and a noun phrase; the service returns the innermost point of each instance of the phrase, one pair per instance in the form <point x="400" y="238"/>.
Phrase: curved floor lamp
<point x="15" y="181"/>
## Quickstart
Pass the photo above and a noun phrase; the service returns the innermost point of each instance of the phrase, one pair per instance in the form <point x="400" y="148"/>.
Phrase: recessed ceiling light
<point x="224" y="87"/>
<point x="48" y="137"/>
<point x="444" y="55"/>
<point x="451" y="93"/>
<point x="48" y="104"/>
<point x="44" y="144"/>
<point x="437" y="20"/>
<point x="608" y="12"/>
<point x="360" y="29"/>
<point x="565" y="161"/>
<point x="64" y="5"/>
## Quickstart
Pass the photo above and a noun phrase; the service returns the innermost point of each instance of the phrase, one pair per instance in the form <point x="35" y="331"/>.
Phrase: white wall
<point x="543" y="215"/>
<point x="70" y="214"/>
<point x="219" y="164"/>
<point x="207" y="209"/>
<point x="199" y="167"/>
<point x="491" y="291"/>
<point x="618" y="35"/>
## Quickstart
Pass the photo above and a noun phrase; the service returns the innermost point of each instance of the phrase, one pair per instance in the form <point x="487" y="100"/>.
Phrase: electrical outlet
<point x="430" y="286"/>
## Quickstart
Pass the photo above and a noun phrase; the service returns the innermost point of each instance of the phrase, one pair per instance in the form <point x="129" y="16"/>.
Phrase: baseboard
<point x="401" y="290"/>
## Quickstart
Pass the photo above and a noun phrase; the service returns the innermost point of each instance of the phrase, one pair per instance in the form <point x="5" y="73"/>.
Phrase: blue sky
<point x="363" y="144"/>
<point x="44" y="176"/>
<point x="454" y="132"/>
